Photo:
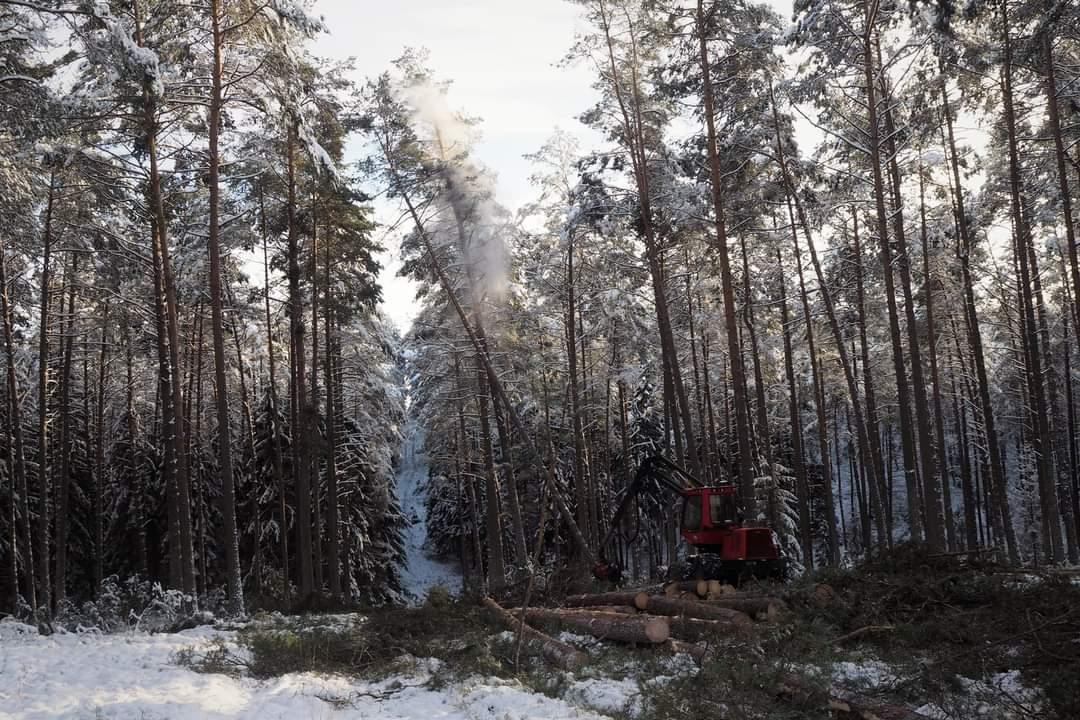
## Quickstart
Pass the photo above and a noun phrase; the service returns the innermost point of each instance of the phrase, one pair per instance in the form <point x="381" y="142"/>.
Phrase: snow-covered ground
<point x="134" y="676"/>
<point x="422" y="572"/>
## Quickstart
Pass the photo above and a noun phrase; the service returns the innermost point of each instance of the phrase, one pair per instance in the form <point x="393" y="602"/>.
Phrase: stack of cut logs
<point x="681" y="616"/>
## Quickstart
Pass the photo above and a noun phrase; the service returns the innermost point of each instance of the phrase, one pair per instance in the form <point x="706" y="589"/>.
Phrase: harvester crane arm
<point x="655" y="473"/>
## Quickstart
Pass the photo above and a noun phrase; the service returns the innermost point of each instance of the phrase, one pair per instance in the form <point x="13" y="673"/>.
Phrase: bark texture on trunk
<point x="230" y="540"/>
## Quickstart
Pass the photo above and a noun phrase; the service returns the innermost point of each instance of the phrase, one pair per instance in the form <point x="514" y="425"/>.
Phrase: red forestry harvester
<point x="710" y="522"/>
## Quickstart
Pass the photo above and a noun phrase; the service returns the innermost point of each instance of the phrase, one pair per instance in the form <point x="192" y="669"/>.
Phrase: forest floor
<point x="960" y="642"/>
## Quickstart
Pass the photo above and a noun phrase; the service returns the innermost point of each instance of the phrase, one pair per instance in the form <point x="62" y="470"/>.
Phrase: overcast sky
<point x="503" y="58"/>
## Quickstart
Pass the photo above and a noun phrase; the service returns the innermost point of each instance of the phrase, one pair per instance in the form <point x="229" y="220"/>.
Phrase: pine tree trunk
<point x="764" y="434"/>
<point x="727" y="283"/>
<point x="493" y="518"/>
<point x="877" y="485"/>
<point x="630" y="104"/>
<point x="466" y="476"/>
<point x="62" y="482"/>
<point x="971" y="518"/>
<point x="510" y="483"/>
<point x="802" y="488"/>
<point x="586" y="422"/>
<point x="997" y="489"/>
<point x="1072" y="524"/>
<point x="42" y="554"/>
<point x="935" y="379"/>
<point x="173" y="401"/>
<point x="843" y="536"/>
<point x="907" y="434"/>
<point x="230" y="539"/>
<point x="302" y="462"/>
<point x="1074" y="451"/>
<point x="714" y="441"/>
<point x="933" y="514"/>
<point x="15" y="423"/>
<point x="314" y="441"/>
<point x="1066" y="496"/>
<point x="1054" y="116"/>
<point x="832" y="546"/>
<point x="166" y="419"/>
<point x="708" y="460"/>
<point x="200" y="489"/>
<point x="581" y="484"/>
<point x="275" y="426"/>
<point x="131" y="437"/>
<point x="1051" y="385"/>
<point x="248" y="432"/>
<point x="671" y="419"/>
<point x="1043" y="441"/>
<point x="333" y="529"/>
<point x="99" y="453"/>
<point x="799" y="214"/>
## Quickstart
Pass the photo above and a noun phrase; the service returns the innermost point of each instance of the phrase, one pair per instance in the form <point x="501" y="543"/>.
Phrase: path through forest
<point x="422" y="572"/>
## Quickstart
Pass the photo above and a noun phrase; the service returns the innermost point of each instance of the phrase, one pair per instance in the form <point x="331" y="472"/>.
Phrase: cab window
<point x="691" y="520"/>
<point x="722" y="510"/>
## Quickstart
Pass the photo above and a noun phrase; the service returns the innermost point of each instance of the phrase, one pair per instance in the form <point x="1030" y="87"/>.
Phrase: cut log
<point x="641" y="629"/>
<point x="764" y="607"/>
<point x="619" y="609"/>
<point x="660" y="605"/>
<point x="608" y="598"/>
<point x="719" y="589"/>
<point x="698" y="587"/>
<point x="696" y="630"/>
<point x="555" y="652"/>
